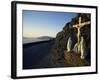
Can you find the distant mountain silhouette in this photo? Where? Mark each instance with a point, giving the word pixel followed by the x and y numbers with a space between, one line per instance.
pixel 45 37
pixel 25 37
pixel 36 39
pixel 41 37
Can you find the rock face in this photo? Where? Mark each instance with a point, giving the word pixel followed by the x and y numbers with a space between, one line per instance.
pixel 74 60
pixel 68 31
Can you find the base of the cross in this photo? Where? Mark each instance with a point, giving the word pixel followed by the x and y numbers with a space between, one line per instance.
pixel 74 59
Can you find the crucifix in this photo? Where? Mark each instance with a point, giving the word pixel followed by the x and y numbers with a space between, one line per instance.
pixel 79 26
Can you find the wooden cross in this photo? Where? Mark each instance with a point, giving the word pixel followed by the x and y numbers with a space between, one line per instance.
pixel 79 26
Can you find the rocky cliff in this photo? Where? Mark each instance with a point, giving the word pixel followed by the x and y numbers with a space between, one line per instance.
pixel 69 31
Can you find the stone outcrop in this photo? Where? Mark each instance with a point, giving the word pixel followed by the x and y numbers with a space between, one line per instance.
pixel 68 31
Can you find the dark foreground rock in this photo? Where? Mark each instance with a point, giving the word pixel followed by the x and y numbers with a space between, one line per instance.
pixel 37 55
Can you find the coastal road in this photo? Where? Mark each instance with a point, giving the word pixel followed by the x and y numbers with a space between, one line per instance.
pixel 38 55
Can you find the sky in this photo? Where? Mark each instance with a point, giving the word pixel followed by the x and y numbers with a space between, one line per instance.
pixel 44 23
